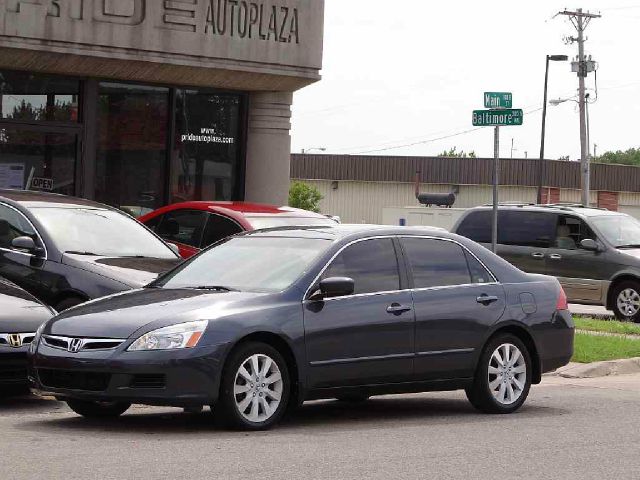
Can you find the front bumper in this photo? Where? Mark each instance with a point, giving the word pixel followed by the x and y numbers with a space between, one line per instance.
pixel 13 366
pixel 173 378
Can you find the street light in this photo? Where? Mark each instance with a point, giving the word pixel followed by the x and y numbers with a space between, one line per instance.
pixel 320 149
pixel 550 58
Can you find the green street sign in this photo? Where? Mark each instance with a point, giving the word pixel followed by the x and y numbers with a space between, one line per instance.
pixel 498 100
pixel 497 118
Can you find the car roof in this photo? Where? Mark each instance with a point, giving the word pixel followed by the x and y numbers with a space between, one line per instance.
pixel 29 199
pixel 245 208
pixel 555 208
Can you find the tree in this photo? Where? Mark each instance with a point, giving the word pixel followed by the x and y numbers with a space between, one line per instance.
pixel 453 153
pixel 305 197
pixel 628 157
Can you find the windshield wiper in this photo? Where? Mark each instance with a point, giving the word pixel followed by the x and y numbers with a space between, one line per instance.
pixel 74 252
pixel 217 288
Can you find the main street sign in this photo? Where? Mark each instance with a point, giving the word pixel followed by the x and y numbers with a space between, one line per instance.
pixel 498 100
pixel 497 118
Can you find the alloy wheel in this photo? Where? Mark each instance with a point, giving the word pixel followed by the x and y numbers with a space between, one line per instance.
pixel 507 374
pixel 258 388
pixel 628 302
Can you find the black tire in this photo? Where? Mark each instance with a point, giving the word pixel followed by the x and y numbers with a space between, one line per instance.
pixel 68 303
pixel 90 409
pixel 617 290
pixel 479 393
pixel 353 398
pixel 226 411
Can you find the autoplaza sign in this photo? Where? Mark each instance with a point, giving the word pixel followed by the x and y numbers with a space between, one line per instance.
pixel 498 117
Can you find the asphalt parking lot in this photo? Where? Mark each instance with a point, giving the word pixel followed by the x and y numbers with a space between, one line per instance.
pixel 587 429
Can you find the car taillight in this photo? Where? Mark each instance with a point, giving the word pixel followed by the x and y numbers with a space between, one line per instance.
pixel 562 301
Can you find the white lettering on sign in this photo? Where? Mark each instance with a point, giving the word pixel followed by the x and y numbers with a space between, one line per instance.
pixel 207 135
pixel 42 183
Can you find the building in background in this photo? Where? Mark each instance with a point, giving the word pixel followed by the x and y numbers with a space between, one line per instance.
pixel 358 188
pixel 140 103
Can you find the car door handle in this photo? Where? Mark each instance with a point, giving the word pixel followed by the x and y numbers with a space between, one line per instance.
pixel 397 309
pixel 487 299
pixel 555 256
pixel 537 255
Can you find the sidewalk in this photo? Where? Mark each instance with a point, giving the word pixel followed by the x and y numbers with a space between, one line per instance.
pixel 590 311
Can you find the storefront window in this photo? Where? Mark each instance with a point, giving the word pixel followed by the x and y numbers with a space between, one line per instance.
pixel 205 157
pixel 29 97
pixel 132 146
pixel 36 160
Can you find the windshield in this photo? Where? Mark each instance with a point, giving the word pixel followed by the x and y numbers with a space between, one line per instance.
pixel 269 264
pixel 92 231
pixel 273 221
pixel 619 230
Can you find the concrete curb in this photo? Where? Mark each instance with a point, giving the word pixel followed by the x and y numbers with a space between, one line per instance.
pixel 625 366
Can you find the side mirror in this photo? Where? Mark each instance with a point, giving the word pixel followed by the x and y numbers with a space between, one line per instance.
pixel 591 245
pixel 27 244
pixel 335 287
pixel 174 248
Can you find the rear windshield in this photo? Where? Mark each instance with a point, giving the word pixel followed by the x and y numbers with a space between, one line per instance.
pixel 272 221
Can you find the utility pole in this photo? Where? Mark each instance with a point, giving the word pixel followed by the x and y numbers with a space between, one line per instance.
pixel 580 21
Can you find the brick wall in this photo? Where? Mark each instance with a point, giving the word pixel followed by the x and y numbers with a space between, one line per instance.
pixel 608 200
pixel 550 195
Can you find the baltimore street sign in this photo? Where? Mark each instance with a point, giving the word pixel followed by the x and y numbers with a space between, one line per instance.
pixel 498 100
pixel 497 118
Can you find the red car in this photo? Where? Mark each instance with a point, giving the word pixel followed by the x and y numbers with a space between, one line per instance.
pixel 193 226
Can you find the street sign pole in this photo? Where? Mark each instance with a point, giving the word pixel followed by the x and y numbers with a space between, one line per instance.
pixel 496 182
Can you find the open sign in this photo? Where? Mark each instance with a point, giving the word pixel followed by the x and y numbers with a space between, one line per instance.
pixel 42 184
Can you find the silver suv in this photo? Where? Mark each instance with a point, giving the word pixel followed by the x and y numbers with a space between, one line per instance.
pixel 594 253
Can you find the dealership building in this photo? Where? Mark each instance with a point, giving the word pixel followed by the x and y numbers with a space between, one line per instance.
pixel 141 103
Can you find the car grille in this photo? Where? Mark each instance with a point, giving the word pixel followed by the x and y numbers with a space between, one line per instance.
pixel 16 340
pixel 148 381
pixel 83 344
pixel 74 380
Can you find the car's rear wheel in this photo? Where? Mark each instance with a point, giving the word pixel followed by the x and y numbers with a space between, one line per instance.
pixel 503 376
pixel 626 301
pixel 255 388
pixel 91 409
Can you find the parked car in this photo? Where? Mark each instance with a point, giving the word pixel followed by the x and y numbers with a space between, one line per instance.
pixel 20 316
pixel 594 253
pixel 193 226
pixel 66 250
pixel 271 318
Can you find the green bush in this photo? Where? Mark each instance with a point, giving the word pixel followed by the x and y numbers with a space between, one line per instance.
pixel 305 197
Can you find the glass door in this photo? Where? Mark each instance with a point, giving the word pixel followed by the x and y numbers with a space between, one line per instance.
pixel 35 158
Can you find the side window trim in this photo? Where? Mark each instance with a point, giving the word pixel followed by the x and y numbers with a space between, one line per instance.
pixel 206 225
pixel 440 287
pixel 399 262
pixel 18 212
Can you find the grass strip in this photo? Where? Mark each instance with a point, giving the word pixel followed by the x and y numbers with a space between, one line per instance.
pixel 607 326
pixel 596 348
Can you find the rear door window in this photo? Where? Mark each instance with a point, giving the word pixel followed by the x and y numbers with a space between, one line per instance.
pixel 436 263
pixel 476 226
pixel 183 226
pixel 372 264
pixel 219 228
pixel 526 229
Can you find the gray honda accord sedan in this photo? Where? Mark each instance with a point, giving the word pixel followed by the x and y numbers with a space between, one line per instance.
pixel 265 320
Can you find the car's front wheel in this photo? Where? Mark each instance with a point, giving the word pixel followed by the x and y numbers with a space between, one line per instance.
pixel 626 301
pixel 255 388
pixel 91 409
pixel 503 376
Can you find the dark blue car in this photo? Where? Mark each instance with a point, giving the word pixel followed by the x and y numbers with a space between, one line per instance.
pixel 269 319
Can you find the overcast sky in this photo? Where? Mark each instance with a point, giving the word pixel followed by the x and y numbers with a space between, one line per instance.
pixel 411 71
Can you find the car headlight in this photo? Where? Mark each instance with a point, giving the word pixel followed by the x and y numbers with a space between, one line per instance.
pixel 182 335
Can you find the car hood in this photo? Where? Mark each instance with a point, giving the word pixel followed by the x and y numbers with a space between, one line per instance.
pixel 633 252
pixel 21 315
pixel 132 271
pixel 122 315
